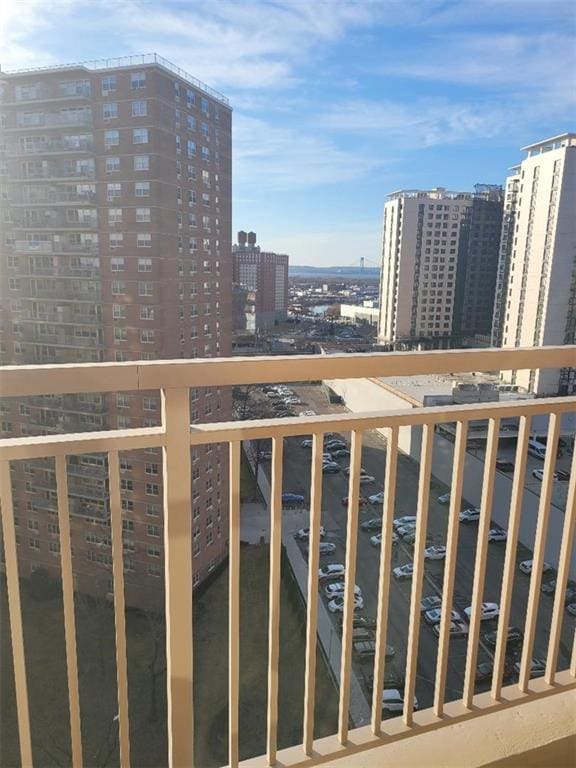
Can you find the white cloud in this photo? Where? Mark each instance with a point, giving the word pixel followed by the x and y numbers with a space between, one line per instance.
pixel 20 22
pixel 287 159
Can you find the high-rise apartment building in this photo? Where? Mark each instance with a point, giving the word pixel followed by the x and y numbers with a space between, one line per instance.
pixel 536 298
pixel 439 260
pixel 266 275
pixel 115 196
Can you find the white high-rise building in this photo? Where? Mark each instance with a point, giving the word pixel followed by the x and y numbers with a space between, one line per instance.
pixel 536 300
pixel 439 260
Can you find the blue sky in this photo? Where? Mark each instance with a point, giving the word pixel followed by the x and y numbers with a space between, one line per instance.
pixel 335 103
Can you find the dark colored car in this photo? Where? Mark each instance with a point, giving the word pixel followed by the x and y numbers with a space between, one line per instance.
pixel 337 453
pixel 366 622
pixel 372 525
pixel 362 501
pixel 292 499
pixel 514 635
pixel 504 466
pixel 485 668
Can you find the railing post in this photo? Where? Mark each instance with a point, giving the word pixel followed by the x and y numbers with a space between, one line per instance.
pixel 178 575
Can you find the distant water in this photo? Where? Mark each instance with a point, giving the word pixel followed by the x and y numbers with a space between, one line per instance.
pixel 355 273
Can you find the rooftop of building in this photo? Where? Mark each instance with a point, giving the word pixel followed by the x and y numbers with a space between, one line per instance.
pixel 441 193
pixel 125 62
pixel 554 142
pixel 421 389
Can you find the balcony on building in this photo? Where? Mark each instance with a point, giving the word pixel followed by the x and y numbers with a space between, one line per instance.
pixel 525 722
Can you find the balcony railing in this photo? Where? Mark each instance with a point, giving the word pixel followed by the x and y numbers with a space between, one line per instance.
pixel 177 437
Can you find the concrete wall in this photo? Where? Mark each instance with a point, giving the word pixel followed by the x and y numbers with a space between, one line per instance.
pixel 361 395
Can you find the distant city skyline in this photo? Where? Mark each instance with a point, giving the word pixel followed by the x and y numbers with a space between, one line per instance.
pixel 338 104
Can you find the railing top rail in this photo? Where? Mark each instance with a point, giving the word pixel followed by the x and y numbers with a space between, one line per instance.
pixel 202 434
pixel 26 380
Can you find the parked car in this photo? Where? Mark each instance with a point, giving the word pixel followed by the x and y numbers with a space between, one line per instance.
pixel 362 501
pixel 331 468
pixel 406 520
pixel 361 621
pixel 537 668
pixel 366 479
pixel 347 470
pixel 571 608
pixel 393 700
pixel 337 605
pixel 362 633
pixel 292 499
pixel 526 567
pixel 375 524
pixel 562 475
pixel 456 629
pixel 326 548
pixel 337 588
pixel 333 445
pixel 332 571
pixel 376 498
pixel 435 553
pixel 538 474
pixel 430 602
pixel 497 534
pixel 304 533
pixel 307 412
pixel 376 540
pixel 513 636
pixel 403 571
pixel 364 648
pixel 488 611
pixel 471 515
pixel 504 466
pixel 485 669
pixel 339 453
pixel 434 616
pixel 265 455
pixel 409 538
pixel 404 530
pixel 444 499
pixel 306 444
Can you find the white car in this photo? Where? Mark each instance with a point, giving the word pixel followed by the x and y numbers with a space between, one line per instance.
pixel 526 566
pixel 331 571
pixel 489 611
pixel 406 520
pixel 538 474
pixel 337 605
pixel 497 534
pixel 435 553
pixel 304 533
pixel 337 588
pixel 366 479
pixel 471 515
pixel 393 700
pixel 403 571
pixel 376 498
pixel 404 530
pixel 435 615
pixel 346 470
pixel 307 413
pixel 376 540
pixel 457 629
pixel 444 499
pixel 306 444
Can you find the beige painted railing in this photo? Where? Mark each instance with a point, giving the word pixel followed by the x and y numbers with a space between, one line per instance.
pixel 174 379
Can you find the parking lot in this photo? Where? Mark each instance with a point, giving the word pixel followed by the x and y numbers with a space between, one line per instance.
pixel 335 486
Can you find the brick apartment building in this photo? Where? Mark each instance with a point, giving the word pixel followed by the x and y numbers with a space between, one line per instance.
pixel 266 275
pixel 115 202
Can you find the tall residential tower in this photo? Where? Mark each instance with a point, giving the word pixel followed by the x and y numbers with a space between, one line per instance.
pixel 115 198
pixel 536 300
pixel 439 260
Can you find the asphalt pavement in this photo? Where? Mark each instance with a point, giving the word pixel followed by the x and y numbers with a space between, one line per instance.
pixel 335 486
